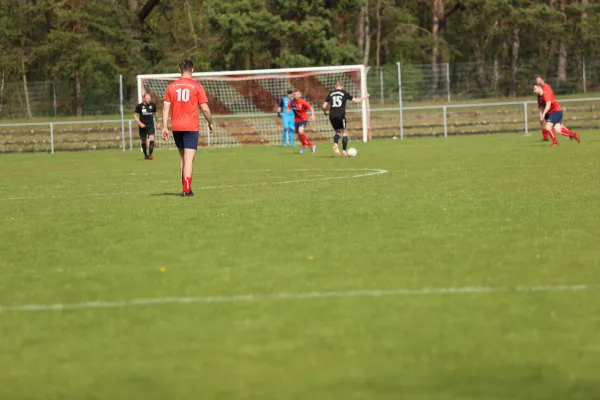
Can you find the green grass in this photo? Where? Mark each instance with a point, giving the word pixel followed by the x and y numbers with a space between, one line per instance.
pixel 490 211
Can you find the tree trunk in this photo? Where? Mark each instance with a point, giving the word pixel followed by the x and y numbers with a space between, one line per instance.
pixel 562 52
pixel 378 44
pixel 77 101
pixel 361 33
pixel 24 77
pixel 438 12
pixel 514 70
pixel 367 36
pixel 188 8
pixel 1 91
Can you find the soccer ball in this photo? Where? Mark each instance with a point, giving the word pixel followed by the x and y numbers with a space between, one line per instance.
pixel 352 152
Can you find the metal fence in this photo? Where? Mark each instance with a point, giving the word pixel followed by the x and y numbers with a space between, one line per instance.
pixel 451 82
pixel 443 83
pixel 386 122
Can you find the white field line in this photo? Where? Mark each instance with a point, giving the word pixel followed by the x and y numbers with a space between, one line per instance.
pixel 248 298
pixel 366 172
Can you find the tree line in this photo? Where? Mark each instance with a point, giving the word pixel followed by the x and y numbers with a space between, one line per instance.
pixel 90 42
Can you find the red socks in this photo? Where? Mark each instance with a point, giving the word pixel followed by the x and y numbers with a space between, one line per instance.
pixel 187 184
pixel 545 133
pixel 567 132
pixel 305 141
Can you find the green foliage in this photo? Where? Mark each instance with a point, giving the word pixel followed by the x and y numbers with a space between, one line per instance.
pixel 39 37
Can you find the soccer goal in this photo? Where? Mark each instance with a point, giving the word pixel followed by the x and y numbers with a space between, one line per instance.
pixel 244 103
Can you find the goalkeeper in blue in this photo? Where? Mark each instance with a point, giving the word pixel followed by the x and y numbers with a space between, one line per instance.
pixel 287 117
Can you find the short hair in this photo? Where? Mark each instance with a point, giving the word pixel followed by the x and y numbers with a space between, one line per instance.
pixel 290 91
pixel 186 66
pixel 339 83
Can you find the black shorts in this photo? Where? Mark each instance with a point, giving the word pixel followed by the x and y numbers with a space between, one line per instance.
pixel 338 123
pixel 186 139
pixel 147 131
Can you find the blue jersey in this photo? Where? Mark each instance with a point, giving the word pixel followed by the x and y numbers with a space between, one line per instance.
pixel 285 114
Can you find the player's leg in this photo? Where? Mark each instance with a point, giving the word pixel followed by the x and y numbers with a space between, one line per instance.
pixel 143 142
pixel 544 131
pixel 150 145
pixel 336 137
pixel 190 144
pixel 550 129
pixel 284 132
pixel 290 131
pixel 305 138
pixel 344 138
pixel 567 132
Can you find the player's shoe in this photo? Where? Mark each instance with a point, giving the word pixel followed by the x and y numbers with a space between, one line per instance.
pixel 554 144
pixel 345 154
pixel 302 150
pixel 184 194
pixel 577 137
pixel 336 149
pixel 146 158
pixel 313 148
pixel 150 158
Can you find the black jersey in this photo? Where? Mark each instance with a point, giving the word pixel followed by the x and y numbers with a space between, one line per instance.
pixel 146 111
pixel 337 103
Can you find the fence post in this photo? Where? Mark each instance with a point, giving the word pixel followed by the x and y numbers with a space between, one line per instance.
pixel 448 80
pixel 381 84
pixel 526 118
pixel 121 109
pixel 51 138
pixel 130 137
pixel 445 122
pixel 584 79
pixel 400 100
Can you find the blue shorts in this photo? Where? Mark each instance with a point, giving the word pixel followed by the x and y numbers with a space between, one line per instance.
pixel 555 117
pixel 288 123
pixel 186 139
pixel 301 124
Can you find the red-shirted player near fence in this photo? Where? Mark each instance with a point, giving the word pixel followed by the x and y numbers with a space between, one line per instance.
pixel 299 105
pixel 541 105
pixel 184 96
pixel 552 115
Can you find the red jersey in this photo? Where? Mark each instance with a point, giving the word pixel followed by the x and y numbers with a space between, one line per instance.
pixel 548 97
pixel 185 95
pixel 299 107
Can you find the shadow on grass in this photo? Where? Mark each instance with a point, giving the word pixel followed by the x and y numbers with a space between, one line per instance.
pixel 167 194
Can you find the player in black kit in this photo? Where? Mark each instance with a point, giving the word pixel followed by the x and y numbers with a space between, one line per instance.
pixel 336 100
pixel 144 115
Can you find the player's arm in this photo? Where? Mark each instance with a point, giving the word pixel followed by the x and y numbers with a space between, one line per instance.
pixel 548 101
pixel 280 108
pixel 207 114
pixel 136 116
pixel 324 107
pixel 359 99
pixel 165 118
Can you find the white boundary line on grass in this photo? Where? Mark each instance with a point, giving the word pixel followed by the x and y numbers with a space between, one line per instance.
pixel 371 172
pixel 249 298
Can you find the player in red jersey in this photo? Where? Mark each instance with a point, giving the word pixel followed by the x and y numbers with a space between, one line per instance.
pixel 184 96
pixel 541 105
pixel 552 114
pixel 299 105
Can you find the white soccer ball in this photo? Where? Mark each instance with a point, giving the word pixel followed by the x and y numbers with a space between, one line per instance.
pixel 352 152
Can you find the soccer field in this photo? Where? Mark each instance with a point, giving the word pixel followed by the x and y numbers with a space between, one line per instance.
pixel 465 268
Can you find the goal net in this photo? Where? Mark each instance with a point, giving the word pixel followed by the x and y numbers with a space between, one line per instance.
pixel 244 103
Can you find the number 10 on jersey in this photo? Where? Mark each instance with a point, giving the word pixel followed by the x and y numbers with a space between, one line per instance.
pixel 183 94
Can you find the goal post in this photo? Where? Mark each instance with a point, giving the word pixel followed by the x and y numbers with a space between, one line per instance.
pixel 244 103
